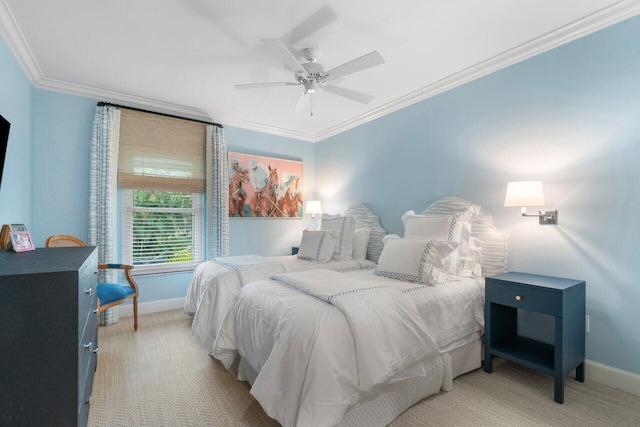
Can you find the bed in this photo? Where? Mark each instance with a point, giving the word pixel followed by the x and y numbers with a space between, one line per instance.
pixel 215 283
pixel 357 348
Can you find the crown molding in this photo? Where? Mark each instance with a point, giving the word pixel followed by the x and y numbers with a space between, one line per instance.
pixel 122 98
pixel 261 127
pixel 12 35
pixel 598 20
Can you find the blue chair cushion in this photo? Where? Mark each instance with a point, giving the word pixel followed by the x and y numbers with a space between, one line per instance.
pixel 110 292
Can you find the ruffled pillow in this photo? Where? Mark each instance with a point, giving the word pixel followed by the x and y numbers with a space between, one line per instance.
pixel 453 228
pixel 416 260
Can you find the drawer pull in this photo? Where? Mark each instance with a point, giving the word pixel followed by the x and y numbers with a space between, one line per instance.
pixel 88 346
pixel 95 350
pixel 518 298
pixel 88 291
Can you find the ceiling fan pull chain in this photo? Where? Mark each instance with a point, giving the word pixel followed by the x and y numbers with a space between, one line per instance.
pixel 311 95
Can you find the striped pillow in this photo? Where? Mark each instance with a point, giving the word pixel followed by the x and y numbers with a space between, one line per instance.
pixel 366 219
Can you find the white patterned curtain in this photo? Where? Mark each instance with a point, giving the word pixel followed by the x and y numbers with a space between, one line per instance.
pixel 217 193
pixel 102 192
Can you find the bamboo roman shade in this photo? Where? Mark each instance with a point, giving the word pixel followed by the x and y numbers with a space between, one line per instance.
pixel 161 153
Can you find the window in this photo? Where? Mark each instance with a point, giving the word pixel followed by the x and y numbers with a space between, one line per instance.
pixel 161 164
pixel 162 230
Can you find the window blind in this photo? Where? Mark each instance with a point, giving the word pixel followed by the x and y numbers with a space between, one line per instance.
pixel 161 153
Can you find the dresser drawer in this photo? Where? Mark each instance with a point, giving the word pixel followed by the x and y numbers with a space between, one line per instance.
pixel 526 297
pixel 87 350
pixel 87 291
pixel 85 392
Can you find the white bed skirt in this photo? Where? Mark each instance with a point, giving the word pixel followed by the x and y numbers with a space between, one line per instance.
pixel 386 404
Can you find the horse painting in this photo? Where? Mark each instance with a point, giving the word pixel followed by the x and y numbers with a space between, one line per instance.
pixel 264 201
pixel 292 198
pixel 237 196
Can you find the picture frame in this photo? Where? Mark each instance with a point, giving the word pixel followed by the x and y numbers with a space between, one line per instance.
pixel 18 227
pixel 21 241
pixel 5 239
pixel 265 187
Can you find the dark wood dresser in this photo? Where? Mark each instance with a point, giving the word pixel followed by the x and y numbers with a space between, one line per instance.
pixel 48 335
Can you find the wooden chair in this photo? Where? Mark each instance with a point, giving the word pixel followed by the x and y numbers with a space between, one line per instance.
pixel 109 294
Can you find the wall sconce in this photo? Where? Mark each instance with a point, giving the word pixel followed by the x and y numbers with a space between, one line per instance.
pixel 529 193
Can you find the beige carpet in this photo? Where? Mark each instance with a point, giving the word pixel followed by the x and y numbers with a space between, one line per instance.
pixel 161 376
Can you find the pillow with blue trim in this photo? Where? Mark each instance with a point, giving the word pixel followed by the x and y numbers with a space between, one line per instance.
pixel 316 246
pixel 416 260
pixel 342 228
pixel 453 228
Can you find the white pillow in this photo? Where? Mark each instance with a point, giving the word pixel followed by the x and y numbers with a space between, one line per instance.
pixel 454 228
pixel 469 265
pixel 416 260
pixel 360 243
pixel 437 227
pixel 389 237
pixel 342 228
pixel 316 246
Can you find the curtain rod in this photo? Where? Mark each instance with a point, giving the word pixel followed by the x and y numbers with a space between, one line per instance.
pixel 108 104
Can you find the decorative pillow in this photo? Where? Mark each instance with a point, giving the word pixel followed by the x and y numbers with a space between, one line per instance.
pixel 342 228
pixel 454 228
pixel 436 227
pixel 431 226
pixel 416 260
pixel 316 246
pixel 366 219
pixel 360 243
pixel 389 237
pixel 469 265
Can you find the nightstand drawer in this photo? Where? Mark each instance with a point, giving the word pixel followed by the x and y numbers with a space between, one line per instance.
pixel 531 298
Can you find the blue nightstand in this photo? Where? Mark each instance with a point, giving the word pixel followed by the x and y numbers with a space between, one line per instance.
pixel 294 250
pixel 564 299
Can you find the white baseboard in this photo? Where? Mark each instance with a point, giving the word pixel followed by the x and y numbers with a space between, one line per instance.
pixel 594 371
pixel 612 377
pixel 152 307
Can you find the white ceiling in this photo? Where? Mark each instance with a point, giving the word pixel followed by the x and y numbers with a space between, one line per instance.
pixel 184 56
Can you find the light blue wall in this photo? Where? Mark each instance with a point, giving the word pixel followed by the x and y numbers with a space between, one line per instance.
pixel 61 135
pixel 15 106
pixel 570 117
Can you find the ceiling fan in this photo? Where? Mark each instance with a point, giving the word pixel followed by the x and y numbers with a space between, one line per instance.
pixel 311 75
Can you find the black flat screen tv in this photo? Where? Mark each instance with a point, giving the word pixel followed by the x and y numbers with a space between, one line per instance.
pixel 4 139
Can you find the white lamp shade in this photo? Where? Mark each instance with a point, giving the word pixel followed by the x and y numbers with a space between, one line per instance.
pixel 524 193
pixel 314 207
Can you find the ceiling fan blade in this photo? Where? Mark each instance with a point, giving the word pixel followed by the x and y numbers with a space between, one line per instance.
pixel 259 85
pixel 353 95
pixel 369 60
pixel 281 50
pixel 303 102
pixel 320 19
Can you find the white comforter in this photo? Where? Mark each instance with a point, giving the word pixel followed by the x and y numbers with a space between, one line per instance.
pixel 388 333
pixel 215 283
pixel 305 352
